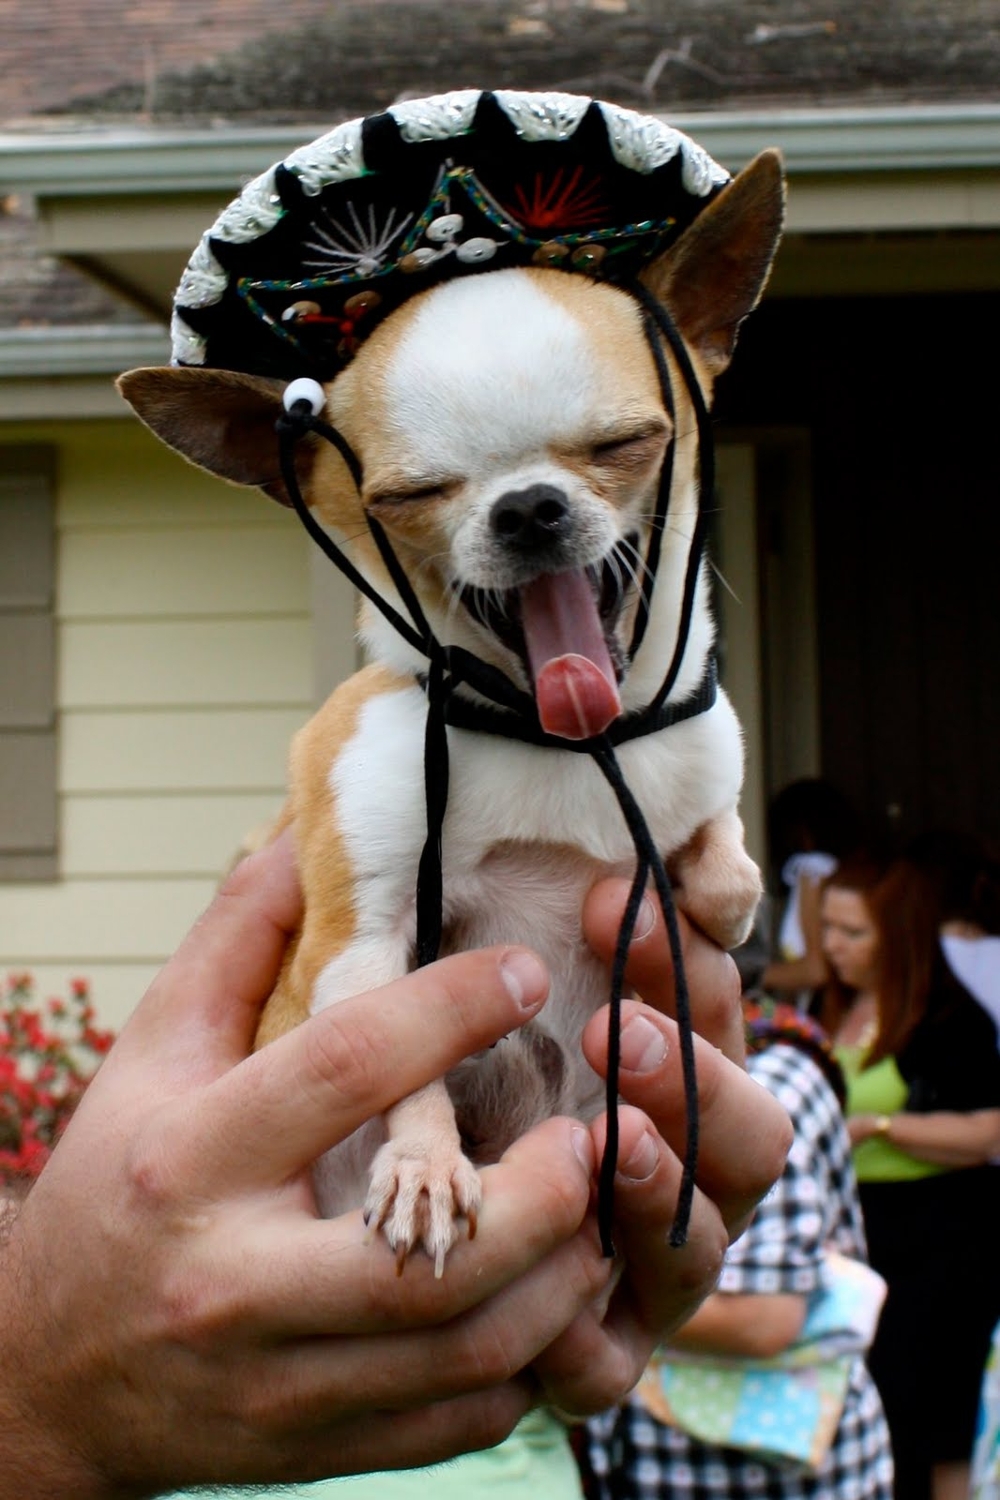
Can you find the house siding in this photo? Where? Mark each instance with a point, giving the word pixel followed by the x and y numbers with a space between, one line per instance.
pixel 185 663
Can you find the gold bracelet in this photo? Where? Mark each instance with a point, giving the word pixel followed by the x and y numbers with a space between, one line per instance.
pixel 883 1124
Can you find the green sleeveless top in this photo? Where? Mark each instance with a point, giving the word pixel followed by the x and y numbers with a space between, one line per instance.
pixel 879 1090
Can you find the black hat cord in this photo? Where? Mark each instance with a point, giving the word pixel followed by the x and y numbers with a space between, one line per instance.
pixel 512 713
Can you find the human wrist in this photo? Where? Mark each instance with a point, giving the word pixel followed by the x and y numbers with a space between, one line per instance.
pixel 882 1126
pixel 40 1460
pixel 41 1457
pixel 38 1465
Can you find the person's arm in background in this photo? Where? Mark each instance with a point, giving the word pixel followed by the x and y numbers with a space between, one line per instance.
pixel 745 1326
pixel 762 1303
pixel 952 1069
pixel 946 1138
pixel 172 1311
pixel 809 971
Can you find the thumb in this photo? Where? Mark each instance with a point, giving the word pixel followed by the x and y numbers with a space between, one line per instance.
pixel 201 1011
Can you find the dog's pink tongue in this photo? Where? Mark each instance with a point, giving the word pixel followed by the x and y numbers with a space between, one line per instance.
pixel 575 687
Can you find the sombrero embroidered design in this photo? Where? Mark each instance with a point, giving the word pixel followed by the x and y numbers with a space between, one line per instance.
pixel 300 268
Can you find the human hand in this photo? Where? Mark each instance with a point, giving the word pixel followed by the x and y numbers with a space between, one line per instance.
pixel 861 1127
pixel 172 1311
pixel 744 1138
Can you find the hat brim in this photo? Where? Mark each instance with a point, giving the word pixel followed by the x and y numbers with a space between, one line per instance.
pixel 314 253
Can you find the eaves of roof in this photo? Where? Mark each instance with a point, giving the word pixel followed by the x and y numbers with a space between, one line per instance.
pixel 68 373
pixel 135 160
pixel 97 349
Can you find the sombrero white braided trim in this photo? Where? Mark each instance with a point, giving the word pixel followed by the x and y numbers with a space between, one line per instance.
pixel 438 117
pixel 643 143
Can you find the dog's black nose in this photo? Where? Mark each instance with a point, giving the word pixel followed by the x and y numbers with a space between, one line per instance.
pixel 531 518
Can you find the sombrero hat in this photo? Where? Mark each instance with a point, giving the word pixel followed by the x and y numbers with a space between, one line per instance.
pixel 313 253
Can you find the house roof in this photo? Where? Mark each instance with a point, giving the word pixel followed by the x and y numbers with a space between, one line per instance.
pixel 37 290
pixel 183 97
pixel 241 60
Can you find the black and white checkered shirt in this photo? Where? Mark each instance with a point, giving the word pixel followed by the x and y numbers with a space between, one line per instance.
pixel 813 1205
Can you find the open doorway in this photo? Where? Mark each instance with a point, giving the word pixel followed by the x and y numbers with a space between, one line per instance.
pixel 763 549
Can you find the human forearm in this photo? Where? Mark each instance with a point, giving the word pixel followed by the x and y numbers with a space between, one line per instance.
pixel 944 1138
pixel 743 1326
pixel 810 970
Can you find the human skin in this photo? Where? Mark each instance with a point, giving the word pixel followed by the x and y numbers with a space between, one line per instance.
pixel 850 938
pixel 809 971
pixel 173 1312
pixel 945 1137
pixel 745 1325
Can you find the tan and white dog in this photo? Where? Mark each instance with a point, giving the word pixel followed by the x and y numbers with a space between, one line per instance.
pixel 511 431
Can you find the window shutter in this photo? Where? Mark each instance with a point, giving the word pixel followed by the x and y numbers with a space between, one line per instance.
pixel 28 819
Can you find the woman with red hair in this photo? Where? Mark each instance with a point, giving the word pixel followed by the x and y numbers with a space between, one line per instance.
pixel 923 1103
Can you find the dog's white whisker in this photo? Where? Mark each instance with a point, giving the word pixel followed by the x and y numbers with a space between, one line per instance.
pixel 626 566
pixel 454 606
pixel 499 601
pixel 724 581
pixel 424 566
pixel 355 536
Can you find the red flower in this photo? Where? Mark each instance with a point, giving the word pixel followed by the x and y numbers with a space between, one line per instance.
pixel 46 1062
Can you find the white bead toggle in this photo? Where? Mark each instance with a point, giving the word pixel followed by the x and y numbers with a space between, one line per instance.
pixel 305 389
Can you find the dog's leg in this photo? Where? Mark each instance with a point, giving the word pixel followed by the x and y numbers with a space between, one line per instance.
pixel 359 848
pixel 719 885
pixel 420 1182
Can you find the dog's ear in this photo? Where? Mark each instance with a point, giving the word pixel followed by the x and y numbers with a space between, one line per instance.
pixel 220 420
pixel 717 270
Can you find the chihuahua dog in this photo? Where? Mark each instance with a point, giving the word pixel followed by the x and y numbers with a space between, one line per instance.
pixel 511 430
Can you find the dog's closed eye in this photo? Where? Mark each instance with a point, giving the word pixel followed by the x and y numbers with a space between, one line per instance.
pixel 633 450
pixel 406 494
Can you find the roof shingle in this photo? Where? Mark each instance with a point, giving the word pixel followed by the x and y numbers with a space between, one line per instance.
pixel 202 60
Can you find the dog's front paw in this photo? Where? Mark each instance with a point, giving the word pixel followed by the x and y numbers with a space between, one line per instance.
pixel 719 886
pixel 725 912
pixel 416 1196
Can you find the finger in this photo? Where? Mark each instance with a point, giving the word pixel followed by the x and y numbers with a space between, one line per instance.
pixel 485 1348
pixel 713 982
pixel 309 1277
pixel 432 1434
pixel 603 1353
pixel 372 1443
pixel 314 1086
pixel 202 1009
pixel 744 1134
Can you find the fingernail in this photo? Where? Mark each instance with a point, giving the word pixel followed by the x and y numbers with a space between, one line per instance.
pixel 643 1045
pixel 525 978
pixel 641 1163
pixel 583 1148
pixel 644 919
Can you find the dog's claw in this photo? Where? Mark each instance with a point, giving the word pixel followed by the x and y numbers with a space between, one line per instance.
pixel 416 1198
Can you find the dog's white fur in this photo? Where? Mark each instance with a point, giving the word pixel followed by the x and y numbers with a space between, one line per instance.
pixel 471 391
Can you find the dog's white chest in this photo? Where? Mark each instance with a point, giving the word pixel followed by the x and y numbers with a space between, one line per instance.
pixel 503 791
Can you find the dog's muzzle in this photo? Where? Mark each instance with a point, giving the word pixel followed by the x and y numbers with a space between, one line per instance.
pixel 532 520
